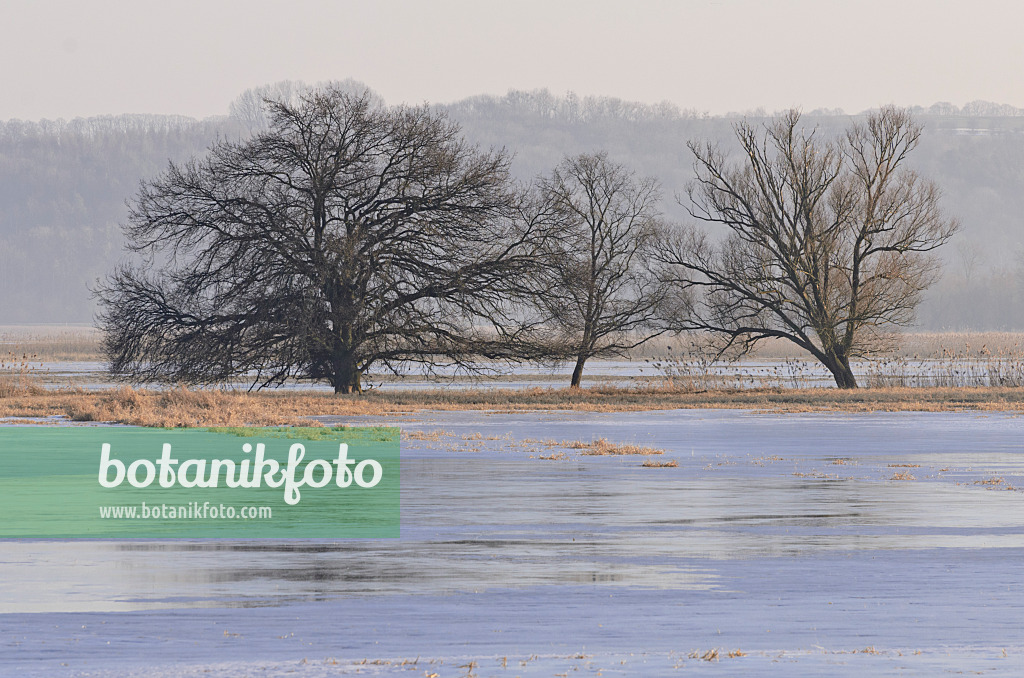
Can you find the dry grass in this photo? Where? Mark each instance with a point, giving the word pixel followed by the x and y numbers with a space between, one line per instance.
pixel 902 475
pixel 935 359
pixel 923 344
pixel 52 343
pixel 976 344
pixel 601 447
pixel 184 407
pixel 169 408
pixel 19 373
pixel 715 654
pixel 652 463
pixel 434 435
pixel 18 385
pixel 557 456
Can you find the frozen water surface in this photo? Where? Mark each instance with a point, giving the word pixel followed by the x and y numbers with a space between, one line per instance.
pixel 787 541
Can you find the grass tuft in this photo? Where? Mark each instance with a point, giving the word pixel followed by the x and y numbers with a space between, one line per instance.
pixel 651 463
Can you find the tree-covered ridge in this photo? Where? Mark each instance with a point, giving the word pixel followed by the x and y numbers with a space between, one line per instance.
pixel 64 184
pixel 63 187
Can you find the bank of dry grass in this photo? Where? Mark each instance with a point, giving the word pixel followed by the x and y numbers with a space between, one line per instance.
pixel 184 407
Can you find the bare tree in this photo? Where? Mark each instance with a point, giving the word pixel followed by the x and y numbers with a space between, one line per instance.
pixel 829 240
pixel 601 294
pixel 249 109
pixel 346 235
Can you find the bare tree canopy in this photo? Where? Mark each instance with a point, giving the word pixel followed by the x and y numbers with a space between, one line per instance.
pixel 345 235
pixel 601 295
pixel 829 240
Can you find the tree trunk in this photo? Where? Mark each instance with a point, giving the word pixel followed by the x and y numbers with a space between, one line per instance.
pixel 347 376
pixel 577 373
pixel 350 385
pixel 839 366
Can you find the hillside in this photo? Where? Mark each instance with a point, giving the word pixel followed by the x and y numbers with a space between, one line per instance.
pixel 63 186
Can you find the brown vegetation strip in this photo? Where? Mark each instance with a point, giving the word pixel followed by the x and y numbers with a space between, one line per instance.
pixel 651 463
pixel 183 407
pixel 603 448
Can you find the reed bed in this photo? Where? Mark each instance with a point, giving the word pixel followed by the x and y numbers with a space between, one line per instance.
pixel 945 360
pixel 908 344
pixel 961 366
pixel 51 344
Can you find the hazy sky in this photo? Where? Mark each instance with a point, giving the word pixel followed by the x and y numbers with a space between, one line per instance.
pixel 77 58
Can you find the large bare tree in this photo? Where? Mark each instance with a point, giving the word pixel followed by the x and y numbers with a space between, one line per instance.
pixel 829 240
pixel 345 235
pixel 601 293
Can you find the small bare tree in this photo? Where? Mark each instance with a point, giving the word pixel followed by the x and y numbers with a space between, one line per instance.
pixel 829 240
pixel 602 295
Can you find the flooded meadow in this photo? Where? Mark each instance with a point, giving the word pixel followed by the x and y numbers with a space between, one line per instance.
pixel 793 544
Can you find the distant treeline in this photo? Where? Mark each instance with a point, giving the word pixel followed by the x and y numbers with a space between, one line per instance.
pixel 63 186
